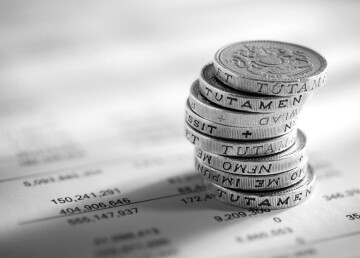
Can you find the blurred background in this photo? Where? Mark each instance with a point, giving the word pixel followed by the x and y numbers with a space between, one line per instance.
pixel 116 53
pixel 137 59
pixel 79 58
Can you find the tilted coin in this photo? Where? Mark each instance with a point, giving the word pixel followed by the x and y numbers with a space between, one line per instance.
pixel 240 148
pixel 232 132
pixel 255 183
pixel 270 67
pixel 275 199
pixel 218 93
pixel 206 109
pixel 289 159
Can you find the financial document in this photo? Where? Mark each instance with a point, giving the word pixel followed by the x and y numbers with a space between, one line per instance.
pixel 93 157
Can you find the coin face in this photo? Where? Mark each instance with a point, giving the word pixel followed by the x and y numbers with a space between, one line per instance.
pixel 270 61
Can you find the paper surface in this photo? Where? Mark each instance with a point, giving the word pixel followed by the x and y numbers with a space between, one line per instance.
pixel 93 161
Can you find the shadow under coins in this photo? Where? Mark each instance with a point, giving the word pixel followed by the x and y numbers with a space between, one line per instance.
pixel 199 205
pixel 179 215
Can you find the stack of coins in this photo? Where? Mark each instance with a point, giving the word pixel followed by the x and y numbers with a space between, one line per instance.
pixel 241 115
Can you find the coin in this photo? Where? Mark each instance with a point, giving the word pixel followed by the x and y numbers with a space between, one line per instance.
pixel 275 199
pixel 240 148
pixel 220 94
pixel 255 183
pixel 239 133
pixel 270 67
pixel 259 166
pixel 206 109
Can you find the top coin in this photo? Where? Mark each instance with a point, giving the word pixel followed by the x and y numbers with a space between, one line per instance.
pixel 270 67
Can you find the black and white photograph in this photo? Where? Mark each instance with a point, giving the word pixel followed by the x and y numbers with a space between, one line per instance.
pixel 179 129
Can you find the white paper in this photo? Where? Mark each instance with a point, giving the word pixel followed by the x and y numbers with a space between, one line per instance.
pixel 93 161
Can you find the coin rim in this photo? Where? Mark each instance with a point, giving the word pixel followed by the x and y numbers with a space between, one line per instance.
pixel 235 117
pixel 307 180
pixel 270 158
pixel 236 130
pixel 303 165
pixel 242 95
pixel 306 183
pixel 211 141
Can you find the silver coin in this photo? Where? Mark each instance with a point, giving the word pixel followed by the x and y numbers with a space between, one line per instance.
pixel 270 67
pixel 254 183
pixel 275 199
pixel 206 109
pixel 287 160
pixel 220 94
pixel 239 133
pixel 240 148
